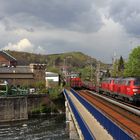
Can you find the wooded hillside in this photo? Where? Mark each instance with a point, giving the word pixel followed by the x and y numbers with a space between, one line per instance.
pixel 74 61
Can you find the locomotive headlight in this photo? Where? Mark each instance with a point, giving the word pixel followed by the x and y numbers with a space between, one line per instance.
pixel 135 93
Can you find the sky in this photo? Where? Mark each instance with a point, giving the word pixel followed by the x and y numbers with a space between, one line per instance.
pixel 99 28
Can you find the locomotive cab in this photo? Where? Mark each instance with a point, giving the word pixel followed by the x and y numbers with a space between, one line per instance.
pixel 136 89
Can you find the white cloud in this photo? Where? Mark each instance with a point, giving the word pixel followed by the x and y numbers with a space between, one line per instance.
pixel 26 46
pixel 22 45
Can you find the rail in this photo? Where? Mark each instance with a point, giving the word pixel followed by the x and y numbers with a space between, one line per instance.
pixel 112 128
pixel 84 128
pixel 130 109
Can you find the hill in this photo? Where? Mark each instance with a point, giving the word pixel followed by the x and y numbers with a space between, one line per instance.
pixel 73 61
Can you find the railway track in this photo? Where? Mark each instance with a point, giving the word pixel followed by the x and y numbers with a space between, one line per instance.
pixel 123 118
pixel 127 103
pixel 127 106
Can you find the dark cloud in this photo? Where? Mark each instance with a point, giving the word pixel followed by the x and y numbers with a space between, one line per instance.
pixel 54 26
pixel 79 15
pixel 127 13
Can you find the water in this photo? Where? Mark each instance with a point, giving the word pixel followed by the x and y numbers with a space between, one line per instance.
pixel 38 128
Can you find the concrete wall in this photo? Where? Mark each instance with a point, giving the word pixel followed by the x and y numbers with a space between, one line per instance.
pixel 36 101
pixel 13 108
pixel 18 108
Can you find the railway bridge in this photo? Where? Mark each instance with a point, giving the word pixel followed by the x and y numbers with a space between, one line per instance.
pixel 86 121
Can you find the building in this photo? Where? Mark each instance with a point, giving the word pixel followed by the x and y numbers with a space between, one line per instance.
pixel 7 60
pixel 52 76
pixel 52 79
pixel 23 75
pixel 20 75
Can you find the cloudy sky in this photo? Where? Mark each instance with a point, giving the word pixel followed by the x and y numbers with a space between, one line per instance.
pixel 99 28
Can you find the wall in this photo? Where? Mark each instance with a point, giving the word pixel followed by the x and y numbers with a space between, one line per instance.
pixel 18 108
pixel 23 75
pixel 35 102
pixel 13 108
pixel 3 61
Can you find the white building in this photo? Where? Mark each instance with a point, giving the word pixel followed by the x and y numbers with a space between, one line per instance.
pixel 50 76
pixel 51 79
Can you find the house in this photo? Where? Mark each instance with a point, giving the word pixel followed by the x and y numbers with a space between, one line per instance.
pixel 20 75
pixel 52 79
pixel 23 75
pixel 7 60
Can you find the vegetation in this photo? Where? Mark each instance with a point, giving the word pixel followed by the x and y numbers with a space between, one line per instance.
pixel 118 68
pixel 74 61
pixel 132 67
pixel 29 57
pixel 55 104
pixel 79 62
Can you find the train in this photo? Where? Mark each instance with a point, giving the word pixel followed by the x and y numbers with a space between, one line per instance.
pixel 126 89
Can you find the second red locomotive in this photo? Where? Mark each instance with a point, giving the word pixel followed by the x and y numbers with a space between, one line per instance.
pixel 125 88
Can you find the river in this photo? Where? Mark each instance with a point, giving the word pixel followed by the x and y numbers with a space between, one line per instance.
pixel 36 128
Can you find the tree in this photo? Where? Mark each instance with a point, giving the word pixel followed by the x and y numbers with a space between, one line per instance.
pixel 121 64
pixel 120 67
pixel 132 67
pixel 107 74
pixel 114 71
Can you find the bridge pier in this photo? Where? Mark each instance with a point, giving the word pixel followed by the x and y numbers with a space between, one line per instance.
pixel 72 126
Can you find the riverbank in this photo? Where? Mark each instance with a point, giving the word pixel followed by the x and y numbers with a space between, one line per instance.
pixel 53 104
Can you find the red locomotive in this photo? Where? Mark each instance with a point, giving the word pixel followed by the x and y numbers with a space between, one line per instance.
pixel 76 83
pixel 89 85
pixel 125 88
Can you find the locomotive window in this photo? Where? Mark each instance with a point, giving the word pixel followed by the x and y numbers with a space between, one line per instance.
pixel 137 82
pixel 124 82
pixel 128 83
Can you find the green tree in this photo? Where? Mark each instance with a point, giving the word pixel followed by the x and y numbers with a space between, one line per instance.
pixel 132 67
pixel 120 67
pixel 107 74
pixel 121 64
pixel 114 71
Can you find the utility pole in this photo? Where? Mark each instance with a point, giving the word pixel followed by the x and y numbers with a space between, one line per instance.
pixel 98 73
pixel 54 63
pixel 91 69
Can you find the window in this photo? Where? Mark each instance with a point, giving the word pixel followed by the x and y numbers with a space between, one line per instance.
pixel 128 83
pixel 137 82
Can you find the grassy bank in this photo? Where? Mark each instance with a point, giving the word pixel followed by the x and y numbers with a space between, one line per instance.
pixel 56 103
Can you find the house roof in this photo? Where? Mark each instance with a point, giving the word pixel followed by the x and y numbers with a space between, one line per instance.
pixel 18 69
pixel 7 56
pixel 51 74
